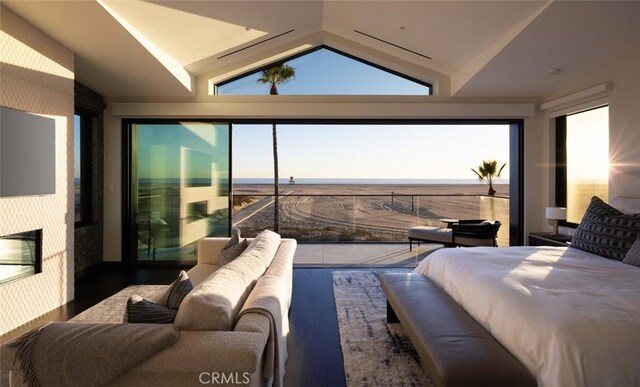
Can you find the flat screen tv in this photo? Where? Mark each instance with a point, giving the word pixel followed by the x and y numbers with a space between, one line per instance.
pixel 27 154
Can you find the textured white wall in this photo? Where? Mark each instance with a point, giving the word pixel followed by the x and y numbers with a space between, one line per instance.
pixel 36 76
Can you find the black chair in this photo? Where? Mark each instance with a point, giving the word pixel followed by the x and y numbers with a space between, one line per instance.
pixel 475 232
pixel 467 232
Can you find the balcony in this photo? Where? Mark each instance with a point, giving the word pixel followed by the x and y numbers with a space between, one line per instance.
pixel 363 218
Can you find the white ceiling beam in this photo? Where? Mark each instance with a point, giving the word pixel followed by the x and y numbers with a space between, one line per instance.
pixel 175 68
pixel 222 107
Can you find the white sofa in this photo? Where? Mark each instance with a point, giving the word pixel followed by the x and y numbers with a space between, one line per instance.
pixel 202 356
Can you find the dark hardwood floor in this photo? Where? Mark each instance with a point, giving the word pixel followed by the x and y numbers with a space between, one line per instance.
pixel 315 358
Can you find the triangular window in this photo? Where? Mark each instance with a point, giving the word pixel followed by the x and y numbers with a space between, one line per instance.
pixel 326 71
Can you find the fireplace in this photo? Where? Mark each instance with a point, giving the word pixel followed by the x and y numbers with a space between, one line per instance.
pixel 20 255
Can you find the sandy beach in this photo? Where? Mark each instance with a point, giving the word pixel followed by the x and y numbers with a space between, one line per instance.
pixel 361 212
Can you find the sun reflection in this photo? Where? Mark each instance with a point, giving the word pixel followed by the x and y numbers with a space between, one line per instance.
pixel 531 270
pixel 587 160
pixel 29 58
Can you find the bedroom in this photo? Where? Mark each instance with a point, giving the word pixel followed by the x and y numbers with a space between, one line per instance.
pixel 502 75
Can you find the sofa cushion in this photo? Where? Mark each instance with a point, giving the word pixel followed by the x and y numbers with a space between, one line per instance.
pixel 430 233
pixel 214 303
pixel 201 272
pixel 144 311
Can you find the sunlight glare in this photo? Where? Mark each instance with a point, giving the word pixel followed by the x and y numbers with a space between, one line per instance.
pixel 29 58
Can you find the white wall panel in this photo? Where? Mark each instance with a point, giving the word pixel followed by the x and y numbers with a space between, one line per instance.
pixel 37 77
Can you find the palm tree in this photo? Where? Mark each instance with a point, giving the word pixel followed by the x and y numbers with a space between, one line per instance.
pixel 489 172
pixel 277 75
pixel 274 76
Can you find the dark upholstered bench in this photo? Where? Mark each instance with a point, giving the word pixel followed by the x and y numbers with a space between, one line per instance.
pixel 455 350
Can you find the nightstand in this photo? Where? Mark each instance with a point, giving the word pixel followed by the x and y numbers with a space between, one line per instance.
pixel 549 239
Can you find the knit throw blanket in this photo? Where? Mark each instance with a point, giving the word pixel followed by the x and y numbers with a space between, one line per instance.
pixel 79 354
pixel 270 298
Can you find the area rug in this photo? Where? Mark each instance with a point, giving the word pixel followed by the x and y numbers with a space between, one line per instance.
pixel 375 353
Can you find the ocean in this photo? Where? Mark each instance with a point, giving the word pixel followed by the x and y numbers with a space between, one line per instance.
pixel 205 182
pixel 239 181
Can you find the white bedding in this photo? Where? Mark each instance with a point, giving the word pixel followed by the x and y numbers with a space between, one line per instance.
pixel 570 317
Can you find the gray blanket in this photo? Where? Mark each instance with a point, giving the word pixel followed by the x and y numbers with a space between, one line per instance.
pixel 79 354
pixel 268 298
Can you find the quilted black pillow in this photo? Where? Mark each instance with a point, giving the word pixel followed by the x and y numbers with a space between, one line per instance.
pixel 144 311
pixel 140 310
pixel 606 231
pixel 176 292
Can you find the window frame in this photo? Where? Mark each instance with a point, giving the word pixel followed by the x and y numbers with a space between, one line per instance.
pixel 429 86
pixel 129 207
pixel 561 160
pixel 87 118
pixel 516 153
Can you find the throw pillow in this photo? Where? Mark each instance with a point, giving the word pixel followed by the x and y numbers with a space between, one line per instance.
pixel 633 255
pixel 232 250
pixel 606 231
pixel 176 292
pixel 144 311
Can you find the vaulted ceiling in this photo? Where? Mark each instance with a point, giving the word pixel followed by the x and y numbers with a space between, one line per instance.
pixel 477 48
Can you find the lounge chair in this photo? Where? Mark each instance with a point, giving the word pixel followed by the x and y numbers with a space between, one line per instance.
pixel 468 232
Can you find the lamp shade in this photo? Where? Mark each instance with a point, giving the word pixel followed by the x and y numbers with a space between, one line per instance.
pixel 556 213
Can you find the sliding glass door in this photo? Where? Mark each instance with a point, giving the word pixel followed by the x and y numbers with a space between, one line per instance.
pixel 178 188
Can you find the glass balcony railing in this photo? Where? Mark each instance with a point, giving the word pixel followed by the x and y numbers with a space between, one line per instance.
pixel 355 218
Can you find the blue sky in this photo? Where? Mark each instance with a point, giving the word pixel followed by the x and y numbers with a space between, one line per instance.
pixel 326 72
pixel 369 151
pixel 359 151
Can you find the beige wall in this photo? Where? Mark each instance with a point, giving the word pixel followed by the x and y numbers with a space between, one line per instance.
pixel 37 77
pixel 536 190
pixel 112 234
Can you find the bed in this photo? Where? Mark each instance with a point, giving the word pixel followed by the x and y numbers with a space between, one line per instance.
pixel 571 317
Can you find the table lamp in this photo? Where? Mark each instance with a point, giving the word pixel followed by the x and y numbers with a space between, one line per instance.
pixel 556 214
